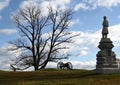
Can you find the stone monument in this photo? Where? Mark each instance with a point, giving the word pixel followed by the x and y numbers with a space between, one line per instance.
pixel 106 58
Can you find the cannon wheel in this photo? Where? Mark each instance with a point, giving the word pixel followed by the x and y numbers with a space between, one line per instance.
pixel 69 65
pixel 59 65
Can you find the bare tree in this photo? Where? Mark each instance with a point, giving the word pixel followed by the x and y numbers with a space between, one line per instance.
pixel 36 49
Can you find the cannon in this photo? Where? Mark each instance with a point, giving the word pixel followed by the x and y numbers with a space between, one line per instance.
pixel 62 65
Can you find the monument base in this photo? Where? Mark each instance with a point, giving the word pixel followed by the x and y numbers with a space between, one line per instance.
pixel 106 58
pixel 107 70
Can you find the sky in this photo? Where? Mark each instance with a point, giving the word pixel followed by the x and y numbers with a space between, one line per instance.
pixel 87 20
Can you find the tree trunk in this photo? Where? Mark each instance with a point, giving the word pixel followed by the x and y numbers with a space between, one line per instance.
pixel 45 63
pixel 36 67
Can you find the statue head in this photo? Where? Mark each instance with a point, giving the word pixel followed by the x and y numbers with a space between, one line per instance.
pixel 104 17
pixel 105 22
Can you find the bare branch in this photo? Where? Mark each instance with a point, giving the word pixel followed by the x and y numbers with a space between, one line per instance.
pixel 36 50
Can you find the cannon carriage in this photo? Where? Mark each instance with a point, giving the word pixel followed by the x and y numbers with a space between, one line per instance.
pixel 62 65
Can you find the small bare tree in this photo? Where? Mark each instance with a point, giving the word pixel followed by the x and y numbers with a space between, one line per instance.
pixel 36 49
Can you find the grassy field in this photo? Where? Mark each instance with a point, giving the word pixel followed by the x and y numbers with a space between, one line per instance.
pixel 58 77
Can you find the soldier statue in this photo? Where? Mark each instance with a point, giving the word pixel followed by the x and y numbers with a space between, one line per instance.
pixel 105 27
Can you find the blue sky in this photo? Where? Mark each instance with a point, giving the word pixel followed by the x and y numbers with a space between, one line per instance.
pixel 87 20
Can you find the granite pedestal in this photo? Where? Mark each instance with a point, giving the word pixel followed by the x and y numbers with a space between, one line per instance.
pixel 106 58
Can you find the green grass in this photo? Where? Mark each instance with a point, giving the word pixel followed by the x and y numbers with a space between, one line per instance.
pixel 58 77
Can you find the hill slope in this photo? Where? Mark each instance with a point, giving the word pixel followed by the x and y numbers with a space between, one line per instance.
pixel 58 77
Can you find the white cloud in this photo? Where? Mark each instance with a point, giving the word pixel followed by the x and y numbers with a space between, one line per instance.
pixel 114 34
pixel 90 65
pixel 6 56
pixel 93 38
pixel 4 51
pixel 89 40
pixel 82 53
pixel 82 45
pixel 84 65
pixel 107 3
pixel 7 31
pixel 93 4
pixel 44 4
pixel 62 2
pixel 4 65
pixel 76 21
pixel 28 3
pixel 81 6
pixel 3 4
